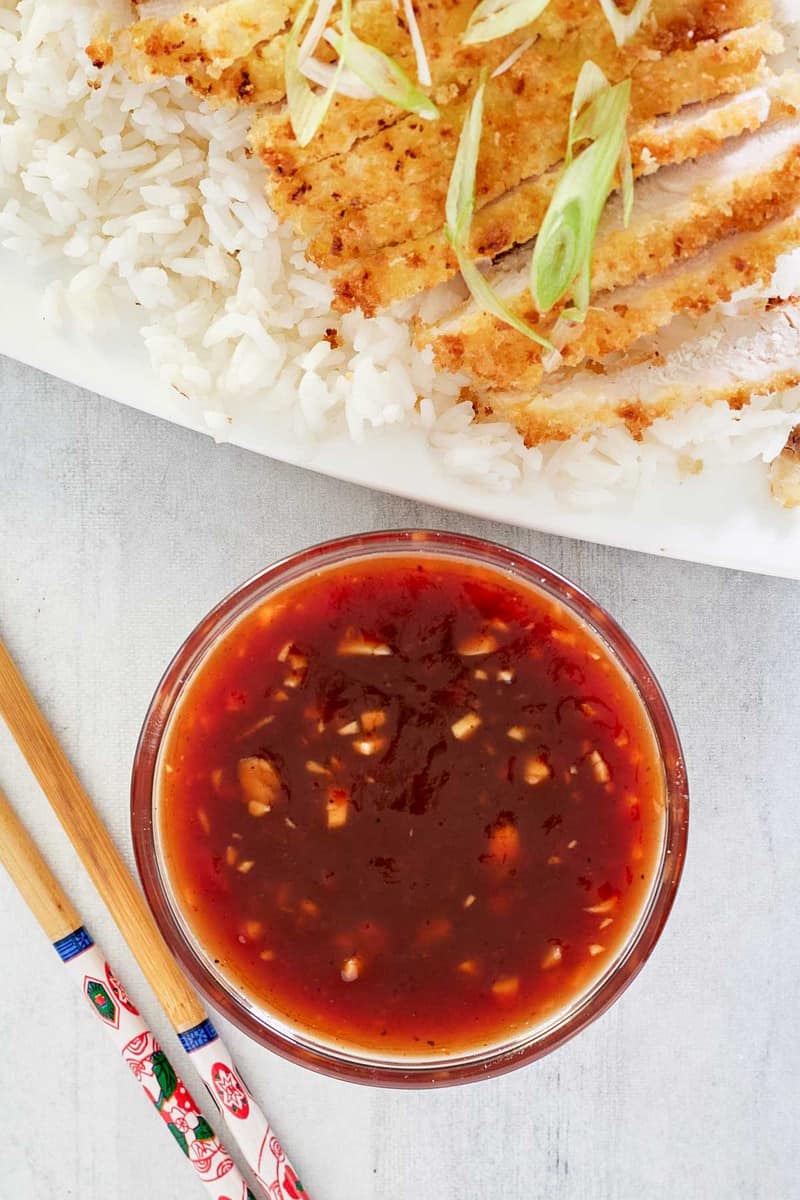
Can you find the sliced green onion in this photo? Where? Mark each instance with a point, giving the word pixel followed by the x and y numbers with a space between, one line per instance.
pixel 487 299
pixel 459 207
pixel 347 84
pixel 508 63
pixel 380 72
pixel 460 203
pixel 591 84
pixel 576 316
pixel 316 29
pixel 624 25
pixel 423 67
pixel 307 108
pixel 496 18
pixel 562 255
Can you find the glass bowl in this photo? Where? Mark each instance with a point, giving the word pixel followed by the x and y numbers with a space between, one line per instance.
pixel 293 1042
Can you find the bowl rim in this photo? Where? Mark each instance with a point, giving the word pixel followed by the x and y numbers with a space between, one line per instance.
pixel 361 1066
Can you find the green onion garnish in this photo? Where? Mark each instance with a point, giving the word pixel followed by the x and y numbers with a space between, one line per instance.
pixel 487 299
pixel 496 18
pixel 380 72
pixel 460 202
pixel 624 25
pixel 423 67
pixel 562 255
pixel 307 108
pixel 459 207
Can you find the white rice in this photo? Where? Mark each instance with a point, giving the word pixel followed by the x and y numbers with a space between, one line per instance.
pixel 138 194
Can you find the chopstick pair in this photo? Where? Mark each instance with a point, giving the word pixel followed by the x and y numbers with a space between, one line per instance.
pixel 62 925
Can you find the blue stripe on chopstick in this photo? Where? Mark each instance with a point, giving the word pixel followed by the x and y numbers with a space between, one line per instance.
pixel 73 944
pixel 199 1036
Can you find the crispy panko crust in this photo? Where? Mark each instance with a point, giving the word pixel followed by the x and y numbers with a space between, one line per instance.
pixel 618 318
pixel 233 52
pixel 207 40
pixel 236 55
pixel 392 187
pixel 652 383
pixel 404 270
pixel 455 66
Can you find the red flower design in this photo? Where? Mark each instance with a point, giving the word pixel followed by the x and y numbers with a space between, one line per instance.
pixel 291 1184
pixel 230 1091
pixel 119 993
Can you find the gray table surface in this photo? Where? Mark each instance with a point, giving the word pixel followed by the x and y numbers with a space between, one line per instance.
pixel 117 532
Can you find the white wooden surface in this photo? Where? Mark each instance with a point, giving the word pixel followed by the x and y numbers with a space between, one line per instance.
pixel 117 532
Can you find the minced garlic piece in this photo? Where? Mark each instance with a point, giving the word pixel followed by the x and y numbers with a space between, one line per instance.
pixel 369 745
pixel 552 957
pixel 506 987
pixel 603 906
pixel 356 643
pixel 535 771
pixel 477 643
pixel 599 767
pixel 351 969
pixel 259 780
pixel 373 719
pixel 337 808
pixel 465 726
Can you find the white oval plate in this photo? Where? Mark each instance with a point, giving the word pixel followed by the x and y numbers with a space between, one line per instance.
pixel 724 516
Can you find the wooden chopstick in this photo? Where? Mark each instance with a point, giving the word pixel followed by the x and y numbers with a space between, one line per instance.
pixel 33 878
pixel 94 846
pixel 107 999
pixel 107 870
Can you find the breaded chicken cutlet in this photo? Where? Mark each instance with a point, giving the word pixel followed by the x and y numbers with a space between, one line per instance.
pixel 715 141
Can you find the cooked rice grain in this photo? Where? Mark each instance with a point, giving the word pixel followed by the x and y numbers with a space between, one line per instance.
pixel 138 194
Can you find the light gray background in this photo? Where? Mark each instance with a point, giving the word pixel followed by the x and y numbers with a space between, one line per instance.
pixel 117 532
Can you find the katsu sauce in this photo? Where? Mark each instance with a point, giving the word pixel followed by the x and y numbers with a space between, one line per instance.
pixel 411 805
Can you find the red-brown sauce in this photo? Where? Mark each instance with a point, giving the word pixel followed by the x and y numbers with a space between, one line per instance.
pixel 411 805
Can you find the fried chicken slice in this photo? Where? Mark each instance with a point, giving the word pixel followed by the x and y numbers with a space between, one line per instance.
pixel 618 318
pixel 397 272
pixel 755 352
pixel 392 188
pixel 680 212
pixel 454 66
pixel 200 38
